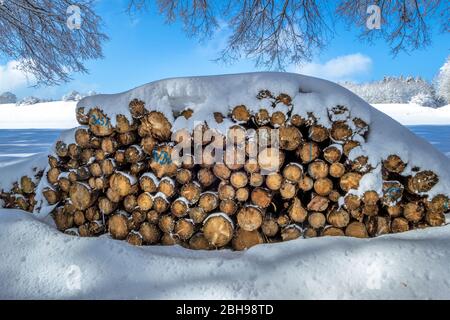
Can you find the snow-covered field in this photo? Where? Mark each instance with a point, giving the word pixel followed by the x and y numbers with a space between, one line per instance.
pixel 37 261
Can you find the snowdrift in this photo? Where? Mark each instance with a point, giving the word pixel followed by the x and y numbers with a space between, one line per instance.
pixel 39 262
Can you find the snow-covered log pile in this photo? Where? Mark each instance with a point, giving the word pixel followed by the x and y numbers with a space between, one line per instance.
pixel 265 157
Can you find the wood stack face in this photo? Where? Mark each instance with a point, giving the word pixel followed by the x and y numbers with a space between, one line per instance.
pixel 123 180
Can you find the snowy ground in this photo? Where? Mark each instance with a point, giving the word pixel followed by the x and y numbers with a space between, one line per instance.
pixel 39 262
pixel 411 114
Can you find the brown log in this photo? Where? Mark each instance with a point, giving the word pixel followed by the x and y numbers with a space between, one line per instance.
pixel 256 179
pixel 160 203
pixel 199 242
pixel 356 230
pixel 394 164
pixel 117 226
pixel 52 161
pixel 316 220
pixel 162 164
pixel 92 214
pixel 168 239
pixel 152 216
pixel 370 198
pixel 310 233
pixel 167 187
pixel 51 195
pixel 261 197
pixel 127 138
pixel 79 218
pixel 145 201
pixel 360 164
pixel 332 154
pixel 155 124
pixel 244 240
pixel 352 202
pixel 435 218
pixel 148 144
pixel 99 123
pixel 308 152
pixel 226 191
pixel 228 207
pixel 240 114
pixel 306 183
pixel 61 149
pixel 318 203
pixel 208 201
pixel 334 196
pixel 349 181
pixel 332 232
pixel 123 125
pixel 318 169
pixel 288 190
pixel 340 131
pixel 293 172
pixel 83 230
pixel 270 227
pixel 82 116
pixel 191 192
pixel 399 225
pixel 166 223
pixel 73 151
pixel 135 238
pixel 83 138
pixel 107 167
pixel 413 211
pixel 278 119
pixel 318 133
pixel 291 232
pixel 262 117
pixel 221 171
pixel 81 195
pixel 184 229
pixel 323 186
pixel 337 170
pixel 297 212
pixel 239 179
pixel 249 218
pixel 53 175
pixel 148 183
pixel 395 211
pixel 106 206
pixel 137 108
pixel 121 183
pixel 242 194
pixel 338 218
pixel 197 215
pixel 113 195
pixel 218 231
pixel 422 181
pixel 251 166
pixel 179 207
pixel 206 177
pixel 63 220
pixel 290 138
pixel 297 120
pixel 150 233
pixel 283 220
pixel 274 181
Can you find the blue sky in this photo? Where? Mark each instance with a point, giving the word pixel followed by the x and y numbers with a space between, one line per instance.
pixel 143 49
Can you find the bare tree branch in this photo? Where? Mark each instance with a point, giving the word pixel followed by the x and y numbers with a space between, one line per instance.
pixel 35 33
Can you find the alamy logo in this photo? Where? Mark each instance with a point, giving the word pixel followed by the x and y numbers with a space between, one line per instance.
pixel 374 19
pixel 74 20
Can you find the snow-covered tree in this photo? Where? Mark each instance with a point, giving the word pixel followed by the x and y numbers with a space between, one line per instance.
pixel 396 90
pixel 72 96
pixel 8 97
pixel 50 38
pixel 443 82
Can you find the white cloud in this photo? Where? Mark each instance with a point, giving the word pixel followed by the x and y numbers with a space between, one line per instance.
pixel 11 78
pixel 338 69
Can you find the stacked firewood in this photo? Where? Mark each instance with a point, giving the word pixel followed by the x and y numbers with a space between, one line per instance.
pixel 22 194
pixel 121 180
